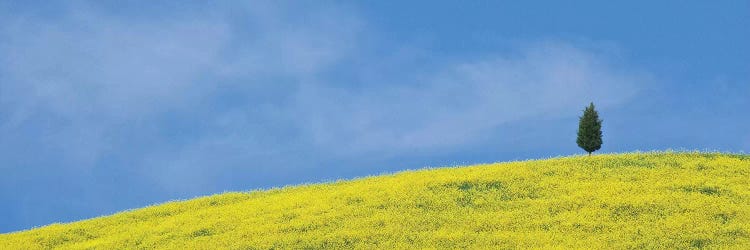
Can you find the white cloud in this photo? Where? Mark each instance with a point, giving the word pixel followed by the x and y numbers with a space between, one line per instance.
pixel 93 73
pixel 464 101
pixel 87 63
pixel 86 74
pixel 98 80
pixel 294 41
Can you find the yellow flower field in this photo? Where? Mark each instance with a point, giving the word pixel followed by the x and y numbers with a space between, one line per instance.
pixel 617 201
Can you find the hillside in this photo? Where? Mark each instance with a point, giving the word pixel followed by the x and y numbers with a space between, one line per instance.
pixel 650 200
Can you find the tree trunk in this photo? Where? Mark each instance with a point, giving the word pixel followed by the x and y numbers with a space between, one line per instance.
pixel 589 153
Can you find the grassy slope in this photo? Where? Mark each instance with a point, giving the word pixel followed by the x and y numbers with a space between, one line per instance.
pixel 679 200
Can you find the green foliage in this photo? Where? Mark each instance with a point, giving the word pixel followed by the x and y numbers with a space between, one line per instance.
pixel 590 130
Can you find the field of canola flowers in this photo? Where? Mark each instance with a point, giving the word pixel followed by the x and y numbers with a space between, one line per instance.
pixel 617 201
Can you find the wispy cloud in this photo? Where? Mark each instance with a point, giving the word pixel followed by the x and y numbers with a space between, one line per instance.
pixel 463 101
pixel 86 74
pixel 93 74
pixel 99 79
pixel 447 107
pixel 191 104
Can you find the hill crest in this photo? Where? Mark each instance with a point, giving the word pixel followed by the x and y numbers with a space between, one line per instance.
pixel 632 200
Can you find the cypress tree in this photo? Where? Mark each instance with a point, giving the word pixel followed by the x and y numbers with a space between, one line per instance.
pixel 590 130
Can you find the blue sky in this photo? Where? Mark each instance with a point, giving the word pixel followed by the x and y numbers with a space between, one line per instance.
pixel 107 106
